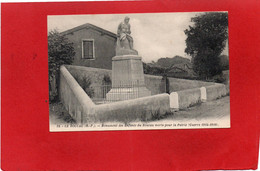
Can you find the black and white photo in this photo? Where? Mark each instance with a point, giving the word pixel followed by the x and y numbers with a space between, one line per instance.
pixel 138 71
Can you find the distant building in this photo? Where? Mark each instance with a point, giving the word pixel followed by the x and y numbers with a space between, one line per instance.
pixel 93 45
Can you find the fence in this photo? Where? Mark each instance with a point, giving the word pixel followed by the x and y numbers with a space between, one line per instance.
pixel 107 93
pixel 100 91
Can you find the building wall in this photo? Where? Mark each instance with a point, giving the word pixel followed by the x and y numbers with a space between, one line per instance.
pixel 104 48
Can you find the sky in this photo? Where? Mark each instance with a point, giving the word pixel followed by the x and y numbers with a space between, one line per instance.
pixel 155 35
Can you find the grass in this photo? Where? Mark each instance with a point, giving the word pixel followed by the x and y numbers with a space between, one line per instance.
pixel 58 114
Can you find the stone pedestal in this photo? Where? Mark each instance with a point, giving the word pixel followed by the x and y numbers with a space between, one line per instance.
pixel 127 78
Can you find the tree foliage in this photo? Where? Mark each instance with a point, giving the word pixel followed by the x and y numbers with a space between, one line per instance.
pixel 206 40
pixel 60 51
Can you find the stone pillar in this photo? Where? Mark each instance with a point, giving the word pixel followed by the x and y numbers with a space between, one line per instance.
pixel 127 78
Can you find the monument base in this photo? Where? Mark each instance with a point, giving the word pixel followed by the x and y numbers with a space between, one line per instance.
pixel 127 70
pixel 127 78
pixel 119 94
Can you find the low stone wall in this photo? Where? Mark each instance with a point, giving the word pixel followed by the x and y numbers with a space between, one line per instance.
pixel 215 91
pixel 190 97
pixel 83 110
pixel 73 97
pixel 152 82
pixel 226 76
pixel 95 74
pixel 144 108
pixel 177 84
pixel 186 98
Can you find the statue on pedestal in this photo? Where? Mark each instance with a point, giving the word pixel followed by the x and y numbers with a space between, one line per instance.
pixel 124 44
pixel 127 68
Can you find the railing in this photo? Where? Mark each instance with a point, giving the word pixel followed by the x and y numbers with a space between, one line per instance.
pixel 100 91
pixel 122 91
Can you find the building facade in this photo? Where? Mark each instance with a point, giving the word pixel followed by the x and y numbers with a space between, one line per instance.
pixel 93 45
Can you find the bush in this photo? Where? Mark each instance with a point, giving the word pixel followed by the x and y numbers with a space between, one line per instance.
pixel 219 78
pixel 106 80
pixel 60 52
pixel 85 83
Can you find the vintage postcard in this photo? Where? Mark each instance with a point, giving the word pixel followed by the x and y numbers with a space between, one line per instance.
pixel 138 71
pixel 130 85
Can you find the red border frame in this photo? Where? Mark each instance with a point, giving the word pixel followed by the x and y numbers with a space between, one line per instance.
pixel 27 143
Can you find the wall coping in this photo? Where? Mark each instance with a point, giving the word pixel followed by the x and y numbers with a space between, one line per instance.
pixel 80 94
pixel 86 68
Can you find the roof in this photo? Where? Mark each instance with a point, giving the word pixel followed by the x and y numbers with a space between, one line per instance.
pixel 86 26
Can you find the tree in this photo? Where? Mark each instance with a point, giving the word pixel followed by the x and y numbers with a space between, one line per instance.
pixel 206 40
pixel 60 51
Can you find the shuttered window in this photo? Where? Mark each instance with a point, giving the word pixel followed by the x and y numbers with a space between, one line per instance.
pixel 88 49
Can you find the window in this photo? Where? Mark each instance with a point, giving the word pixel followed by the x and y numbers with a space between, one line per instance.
pixel 88 49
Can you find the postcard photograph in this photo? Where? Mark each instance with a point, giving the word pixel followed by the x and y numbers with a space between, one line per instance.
pixel 142 71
